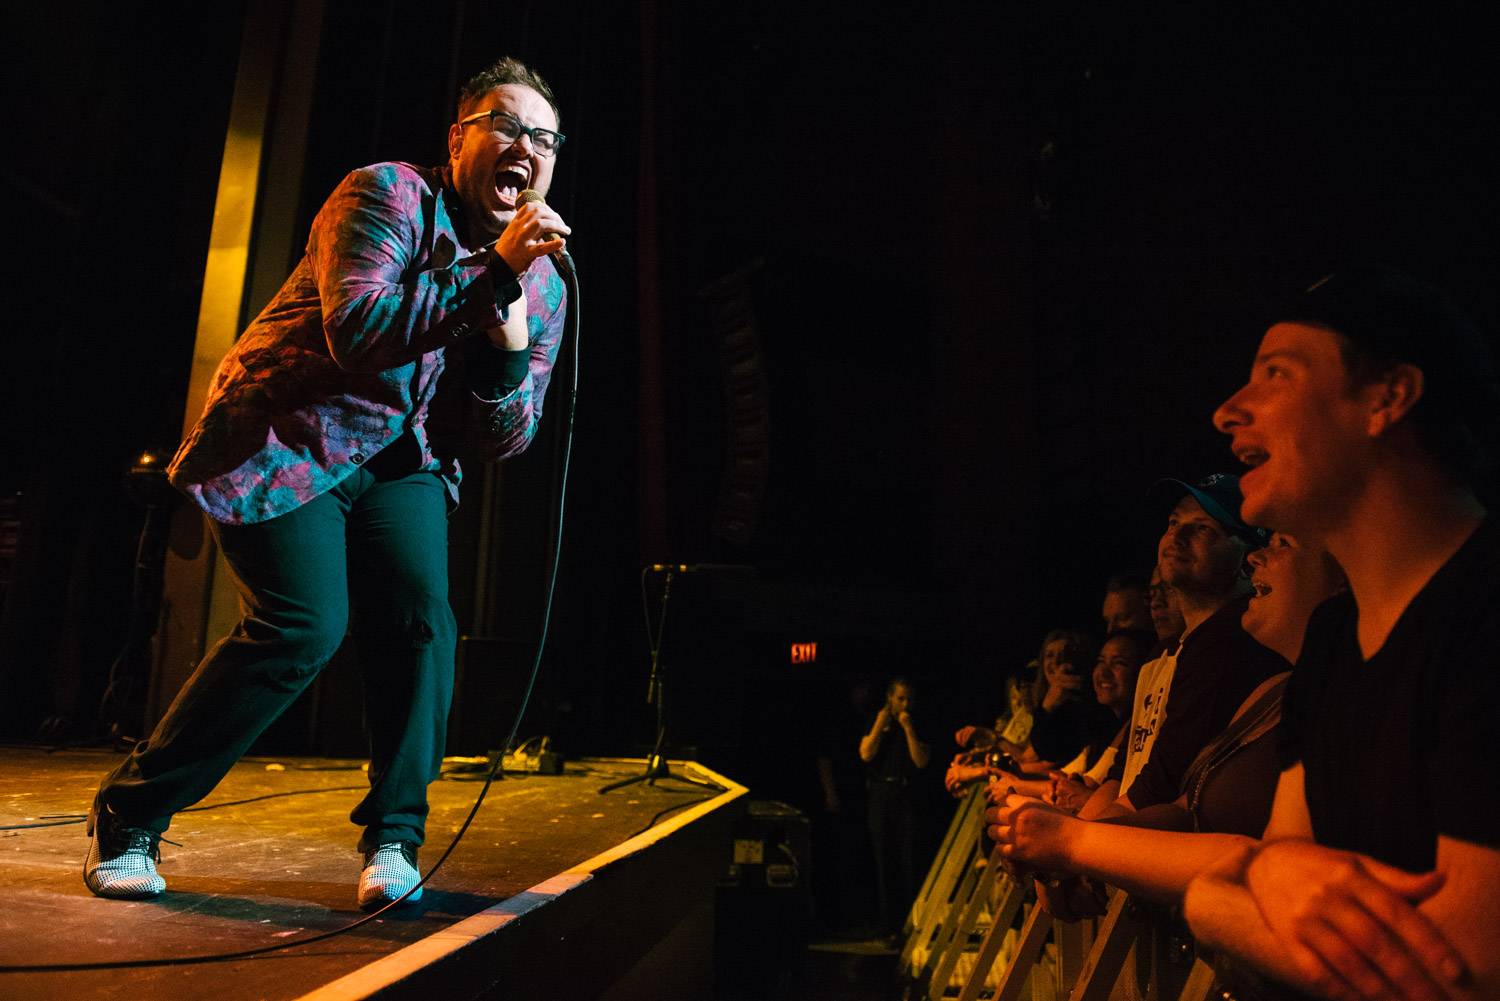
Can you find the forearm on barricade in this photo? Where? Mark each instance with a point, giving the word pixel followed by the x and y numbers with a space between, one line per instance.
pixel 1466 912
pixel 1161 817
pixel 1224 919
pixel 1149 863
pixel 1101 800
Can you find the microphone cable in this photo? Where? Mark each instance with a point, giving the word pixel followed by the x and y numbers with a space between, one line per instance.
pixel 564 264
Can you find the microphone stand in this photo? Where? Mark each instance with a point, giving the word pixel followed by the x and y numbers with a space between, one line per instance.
pixel 656 686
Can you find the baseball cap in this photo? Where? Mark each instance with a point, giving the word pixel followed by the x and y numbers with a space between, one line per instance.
pixel 1219 494
pixel 1397 317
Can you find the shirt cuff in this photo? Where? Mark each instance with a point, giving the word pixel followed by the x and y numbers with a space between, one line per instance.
pixel 506 283
pixel 493 372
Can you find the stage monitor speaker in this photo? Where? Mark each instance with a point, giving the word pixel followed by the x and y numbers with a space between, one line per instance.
pixel 763 904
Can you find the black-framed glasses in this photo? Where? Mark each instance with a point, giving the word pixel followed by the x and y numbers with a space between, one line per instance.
pixel 509 128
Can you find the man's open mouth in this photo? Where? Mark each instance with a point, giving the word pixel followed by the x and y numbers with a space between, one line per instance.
pixel 1251 456
pixel 508 185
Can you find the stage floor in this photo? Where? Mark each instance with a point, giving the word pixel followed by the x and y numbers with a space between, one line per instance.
pixel 270 856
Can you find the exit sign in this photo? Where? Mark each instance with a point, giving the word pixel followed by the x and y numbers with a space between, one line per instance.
pixel 804 653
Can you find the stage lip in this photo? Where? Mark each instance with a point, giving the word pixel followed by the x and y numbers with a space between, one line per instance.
pixel 388 971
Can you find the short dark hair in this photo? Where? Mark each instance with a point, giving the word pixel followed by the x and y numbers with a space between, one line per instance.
pixel 1144 639
pixel 1124 581
pixel 506 69
pixel 1450 436
pixel 890 688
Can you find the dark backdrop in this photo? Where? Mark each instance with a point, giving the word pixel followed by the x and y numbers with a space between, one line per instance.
pixel 1001 265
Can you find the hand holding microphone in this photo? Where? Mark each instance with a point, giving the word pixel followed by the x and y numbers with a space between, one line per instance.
pixel 536 229
pixel 533 231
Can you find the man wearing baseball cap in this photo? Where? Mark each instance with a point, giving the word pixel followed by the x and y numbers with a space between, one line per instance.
pixel 1188 695
pixel 1365 424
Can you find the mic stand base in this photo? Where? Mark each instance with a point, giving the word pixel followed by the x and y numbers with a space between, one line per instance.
pixel 656 689
pixel 657 768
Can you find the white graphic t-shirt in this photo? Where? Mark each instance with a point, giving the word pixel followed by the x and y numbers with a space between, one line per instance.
pixel 1151 689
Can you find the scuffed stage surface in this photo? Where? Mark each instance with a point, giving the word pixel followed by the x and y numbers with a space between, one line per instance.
pixel 284 865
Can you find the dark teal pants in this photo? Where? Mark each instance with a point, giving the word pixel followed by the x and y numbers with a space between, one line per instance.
pixel 381 541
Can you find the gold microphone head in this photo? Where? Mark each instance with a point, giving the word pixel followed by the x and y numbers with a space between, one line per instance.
pixel 560 257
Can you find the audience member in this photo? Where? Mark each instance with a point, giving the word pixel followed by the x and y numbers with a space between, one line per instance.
pixel 1187 695
pixel 1229 786
pixel 1228 789
pixel 1068 719
pixel 893 755
pixel 1057 681
pixel 1051 685
pixel 1114 678
pixel 1363 421
pixel 841 841
pixel 1125 605
pixel 1166 612
pixel 1366 421
pixel 1012 727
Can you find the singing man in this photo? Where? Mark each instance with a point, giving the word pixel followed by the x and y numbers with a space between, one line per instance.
pixel 425 313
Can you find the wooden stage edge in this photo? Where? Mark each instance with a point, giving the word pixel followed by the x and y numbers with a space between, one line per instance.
pixel 404 969
pixel 556 892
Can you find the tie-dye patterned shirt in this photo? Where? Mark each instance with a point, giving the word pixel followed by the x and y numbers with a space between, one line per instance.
pixel 370 339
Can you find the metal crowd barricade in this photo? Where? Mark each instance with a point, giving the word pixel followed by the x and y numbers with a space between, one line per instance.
pixel 965 894
pixel 935 899
pixel 996 898
pixel 1130 954
pixel 963 941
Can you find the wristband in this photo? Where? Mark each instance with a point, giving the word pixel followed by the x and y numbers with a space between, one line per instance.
pixel 507 289
pixel 500 267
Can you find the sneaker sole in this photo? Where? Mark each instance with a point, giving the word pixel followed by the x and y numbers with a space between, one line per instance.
pixel 106 894
pixel 377 903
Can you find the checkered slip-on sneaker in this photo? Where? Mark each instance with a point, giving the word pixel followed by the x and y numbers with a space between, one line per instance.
pixel 390 871
pixel 121 863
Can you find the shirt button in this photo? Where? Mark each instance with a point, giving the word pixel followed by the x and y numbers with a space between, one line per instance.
pixel 357 458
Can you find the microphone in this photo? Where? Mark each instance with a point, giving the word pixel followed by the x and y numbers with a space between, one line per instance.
pixel 559 257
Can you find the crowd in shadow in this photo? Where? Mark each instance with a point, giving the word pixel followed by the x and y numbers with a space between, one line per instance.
pixel 1280 733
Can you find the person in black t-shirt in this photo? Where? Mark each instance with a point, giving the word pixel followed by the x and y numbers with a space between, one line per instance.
pixel 893 755
pixel 1187 697
pixel 1218 665
pixel 1114 676
pixel 1365 420
pixel 1226 796
pixel 841 836
pixel 1207 673
pixel 1069 718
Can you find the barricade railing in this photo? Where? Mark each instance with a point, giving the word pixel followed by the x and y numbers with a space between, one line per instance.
pixel 975 932
pixel 934 901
